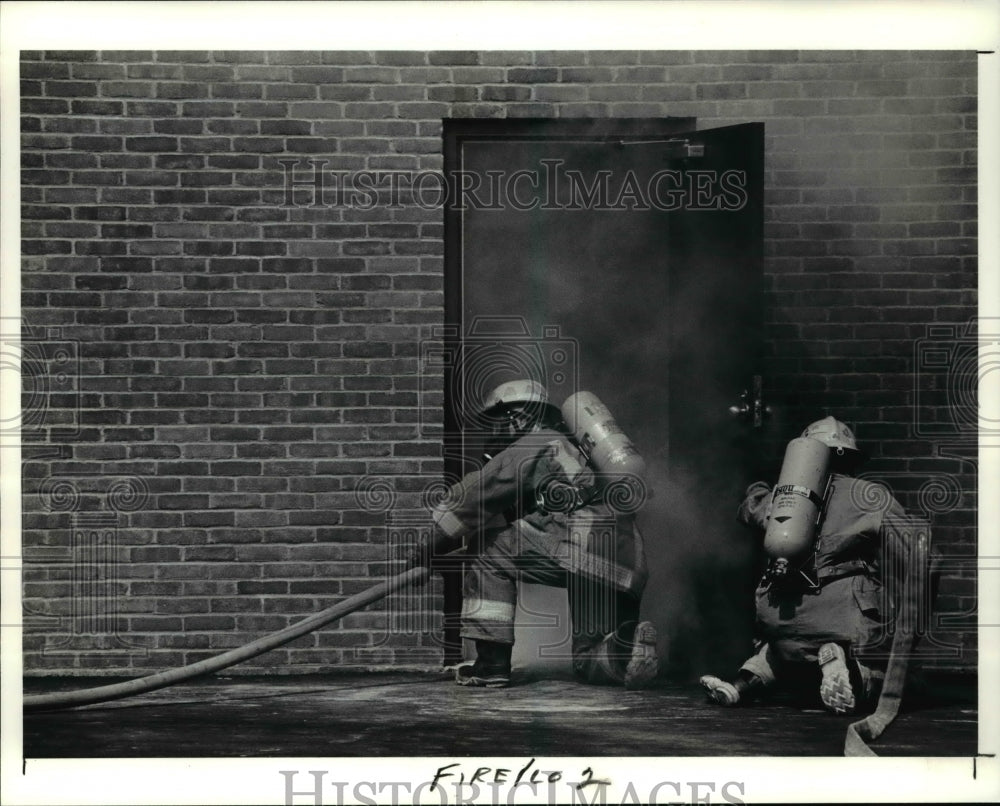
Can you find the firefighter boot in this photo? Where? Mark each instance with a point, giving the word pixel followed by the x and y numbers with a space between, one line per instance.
pixel 725 693
pixel 835 688
pixel 491 668
pixel 644 665
pixel 720 691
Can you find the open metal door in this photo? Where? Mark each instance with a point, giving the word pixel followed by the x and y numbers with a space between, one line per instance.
pixel 621 257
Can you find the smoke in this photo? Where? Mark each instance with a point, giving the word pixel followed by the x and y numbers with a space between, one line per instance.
pixel 650 334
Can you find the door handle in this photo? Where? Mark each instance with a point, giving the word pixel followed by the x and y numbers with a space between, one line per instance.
pixel 751 408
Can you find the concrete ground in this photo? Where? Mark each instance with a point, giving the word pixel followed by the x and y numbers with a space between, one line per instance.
pixel 396 714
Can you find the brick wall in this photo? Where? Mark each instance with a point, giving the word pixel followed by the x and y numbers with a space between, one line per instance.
pixel 215 370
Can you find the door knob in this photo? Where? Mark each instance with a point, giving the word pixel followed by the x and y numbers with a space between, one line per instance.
pixel 751 407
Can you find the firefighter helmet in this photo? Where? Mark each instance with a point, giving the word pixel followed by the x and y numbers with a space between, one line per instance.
pixel 512 410
pixel 832 433
pixel 520 392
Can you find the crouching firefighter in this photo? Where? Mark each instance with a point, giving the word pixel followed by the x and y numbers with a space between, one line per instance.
pixel 554 504
pixel 834 542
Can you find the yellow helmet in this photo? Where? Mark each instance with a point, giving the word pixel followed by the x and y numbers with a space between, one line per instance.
pixel 832 433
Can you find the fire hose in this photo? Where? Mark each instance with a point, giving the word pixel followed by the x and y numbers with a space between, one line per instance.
pixel 116 691
pixel 861 734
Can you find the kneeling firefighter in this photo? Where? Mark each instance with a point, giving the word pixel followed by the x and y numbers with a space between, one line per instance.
pixel 554 504
pixel 833 541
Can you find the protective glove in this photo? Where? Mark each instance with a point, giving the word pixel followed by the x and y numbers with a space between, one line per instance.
pixel 756 506
pixel 427 547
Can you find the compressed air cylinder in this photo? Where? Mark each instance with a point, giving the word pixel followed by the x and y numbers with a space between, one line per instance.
pixel 610 451
pixel 798 499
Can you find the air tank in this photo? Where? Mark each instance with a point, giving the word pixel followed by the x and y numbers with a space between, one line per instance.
pixel 798 499
pixel 609 449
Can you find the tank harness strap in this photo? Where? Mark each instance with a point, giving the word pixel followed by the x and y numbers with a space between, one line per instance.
pixel 805 492
pixel 565 497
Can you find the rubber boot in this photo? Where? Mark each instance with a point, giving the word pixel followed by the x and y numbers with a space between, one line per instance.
pixel 835 688
pixel 719 690
pixel 728 694
pixel 491 668
pixel 643 665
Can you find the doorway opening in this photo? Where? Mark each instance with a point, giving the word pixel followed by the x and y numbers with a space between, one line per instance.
pixel 622 257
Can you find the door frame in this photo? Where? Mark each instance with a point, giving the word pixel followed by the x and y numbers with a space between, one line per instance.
pixel 456 133
pixel 459 131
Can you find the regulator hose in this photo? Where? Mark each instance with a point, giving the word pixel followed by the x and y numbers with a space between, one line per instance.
pixel 116 691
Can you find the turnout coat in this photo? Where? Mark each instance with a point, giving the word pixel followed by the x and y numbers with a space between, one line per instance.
pixel 540 500
pixel 861 552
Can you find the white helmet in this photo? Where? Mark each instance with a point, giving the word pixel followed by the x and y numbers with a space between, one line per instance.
pixel 832 433
pixel 512 392
pixel 512 410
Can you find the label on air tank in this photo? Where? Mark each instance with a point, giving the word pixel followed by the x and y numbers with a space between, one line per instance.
pixel 795 489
